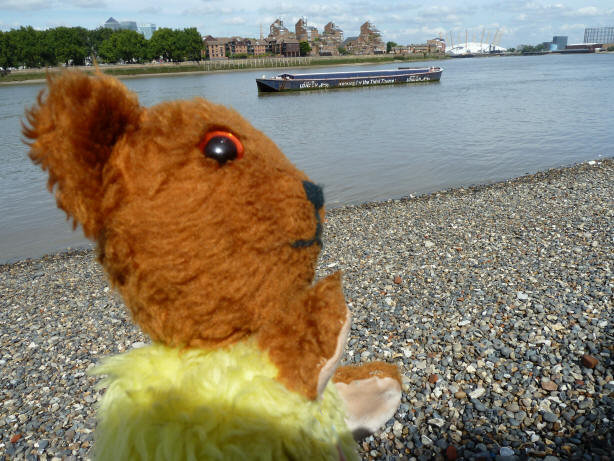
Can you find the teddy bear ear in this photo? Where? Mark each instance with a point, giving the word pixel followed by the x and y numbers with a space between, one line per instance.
pixel 72 130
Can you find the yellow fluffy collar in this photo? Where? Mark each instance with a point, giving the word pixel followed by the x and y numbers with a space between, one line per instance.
pixel 162 403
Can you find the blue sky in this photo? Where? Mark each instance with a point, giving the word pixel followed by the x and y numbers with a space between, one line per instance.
pixel 519 21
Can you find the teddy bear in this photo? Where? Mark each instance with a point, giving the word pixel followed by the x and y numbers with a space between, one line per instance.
pixel 211 236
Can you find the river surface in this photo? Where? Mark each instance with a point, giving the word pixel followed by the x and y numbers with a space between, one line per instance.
pixel 488 119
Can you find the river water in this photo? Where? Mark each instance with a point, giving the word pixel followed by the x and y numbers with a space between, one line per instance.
pixel 488 119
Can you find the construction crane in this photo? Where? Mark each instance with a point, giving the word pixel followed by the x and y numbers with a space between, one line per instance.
pixel 498 40
pixel 495 38
pixel 482 39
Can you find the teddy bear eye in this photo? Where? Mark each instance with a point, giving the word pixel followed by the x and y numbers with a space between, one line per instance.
pixel 221 146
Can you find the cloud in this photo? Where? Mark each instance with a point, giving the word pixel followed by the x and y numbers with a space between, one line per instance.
pixel 573 27
pixel 26 5
pixel 236 20
pixel 585 11
pixel 208 9
pixel 150 10
pixel 85 4
pixel 37 5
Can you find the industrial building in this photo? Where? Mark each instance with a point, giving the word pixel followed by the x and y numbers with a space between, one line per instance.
pixel 599 35
pixel 146 30
pixel 559 42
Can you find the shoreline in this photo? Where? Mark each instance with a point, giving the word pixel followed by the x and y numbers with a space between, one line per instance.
pixel 331 211
pixel 142 71
pixel 486 296
pixel 529 177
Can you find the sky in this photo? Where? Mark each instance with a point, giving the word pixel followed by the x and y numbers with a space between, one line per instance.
pixel 401 21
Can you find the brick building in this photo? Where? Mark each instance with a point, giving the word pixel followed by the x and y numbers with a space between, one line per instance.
pixel 287 47
pixel 368 42
pixel 214 48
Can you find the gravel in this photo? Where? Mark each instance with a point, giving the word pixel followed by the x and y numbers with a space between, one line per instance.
pixel 495 301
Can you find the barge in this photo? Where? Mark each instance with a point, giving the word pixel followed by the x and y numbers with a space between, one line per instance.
pixel 318 81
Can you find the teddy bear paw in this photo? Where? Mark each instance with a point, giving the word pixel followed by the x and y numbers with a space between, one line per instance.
pixel 371 399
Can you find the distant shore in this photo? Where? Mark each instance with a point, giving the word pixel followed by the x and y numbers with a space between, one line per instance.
pixel 29 76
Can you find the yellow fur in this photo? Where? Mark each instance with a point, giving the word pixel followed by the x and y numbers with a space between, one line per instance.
pixel 163 403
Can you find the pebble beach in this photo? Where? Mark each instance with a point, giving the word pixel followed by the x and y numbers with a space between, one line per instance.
pixel 495 301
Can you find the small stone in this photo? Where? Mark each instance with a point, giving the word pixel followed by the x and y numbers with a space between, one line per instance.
pixel 513 407
pixel 506 451
pixel 556 426
pixel 43 444
pixel 522 296
pixel 476 394
pixel 433 378
pixel 471 369
pixel 16 438
pixel 428 244
pixel 460 395
pixel 451 453
pixel 436 422
pixel 589 361
pixel 398 280
pixel 397 429
pixel 549 385
pixel 425 440
pixel 549 416
pixel 479 406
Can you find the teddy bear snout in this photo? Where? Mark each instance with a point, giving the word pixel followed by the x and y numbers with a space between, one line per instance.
pixel 316 197
pixel 314 194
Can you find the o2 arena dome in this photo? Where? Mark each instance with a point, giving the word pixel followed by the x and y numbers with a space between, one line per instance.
pixel 475 48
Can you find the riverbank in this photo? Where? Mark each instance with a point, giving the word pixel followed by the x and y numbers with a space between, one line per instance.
pixel 205 67
pixel 495 301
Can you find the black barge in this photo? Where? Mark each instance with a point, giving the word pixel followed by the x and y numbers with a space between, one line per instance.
pixel 318 81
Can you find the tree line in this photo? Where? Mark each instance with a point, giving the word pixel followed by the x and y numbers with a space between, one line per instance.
pixel 28 47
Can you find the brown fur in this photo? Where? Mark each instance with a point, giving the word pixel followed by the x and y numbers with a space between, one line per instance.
pixel 201 253
pixel 347 374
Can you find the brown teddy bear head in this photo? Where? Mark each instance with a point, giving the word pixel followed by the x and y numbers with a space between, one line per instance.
pixel 201 222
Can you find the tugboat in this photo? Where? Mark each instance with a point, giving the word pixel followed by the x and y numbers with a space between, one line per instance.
pixel 318 81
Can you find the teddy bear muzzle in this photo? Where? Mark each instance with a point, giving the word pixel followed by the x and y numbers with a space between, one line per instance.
pixel 315 195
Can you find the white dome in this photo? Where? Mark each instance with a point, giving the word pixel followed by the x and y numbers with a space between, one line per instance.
pixel 474 48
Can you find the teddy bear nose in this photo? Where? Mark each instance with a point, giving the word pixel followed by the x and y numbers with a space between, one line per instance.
pixel 314 194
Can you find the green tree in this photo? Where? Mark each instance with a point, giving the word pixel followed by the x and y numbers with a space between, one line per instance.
pixel 191 44
pixel 25 45
pixel 66 45
pixel 531 48
pixel 5 54
pixel 96 37
pixel 305 49
pixel 390 46
pixel 124 45
pixel 162 44
pixel 176 45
